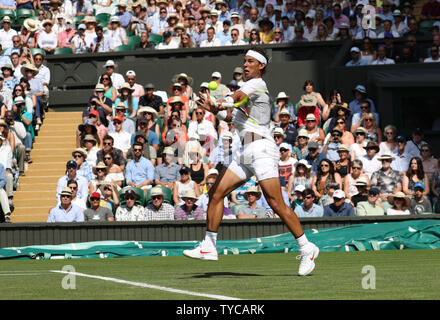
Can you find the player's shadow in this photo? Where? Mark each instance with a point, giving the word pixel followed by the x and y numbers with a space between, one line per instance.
pixel 224 274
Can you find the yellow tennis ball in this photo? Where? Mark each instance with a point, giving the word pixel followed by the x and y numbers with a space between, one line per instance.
pixel 212 85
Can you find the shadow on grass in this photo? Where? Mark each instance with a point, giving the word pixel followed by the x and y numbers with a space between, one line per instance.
pixel 224 274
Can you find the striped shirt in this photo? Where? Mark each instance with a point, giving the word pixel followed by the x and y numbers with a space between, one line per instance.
pixel 165 212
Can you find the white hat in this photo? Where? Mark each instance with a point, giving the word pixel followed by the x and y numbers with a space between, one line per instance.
pixel 216 74
pixel 310 117
pixel 303 133
pixel 130 73
pixel 204 85
pixel 227 135
pixel 355 49
pixel 280 131
pixel 300 188
pixel 286 145
pixel 212 171
pixel 284 111
pixel 361 181
pixel 282 95
pixel 110 63
pixel 339 194
pixel 304 163
pixel 190 193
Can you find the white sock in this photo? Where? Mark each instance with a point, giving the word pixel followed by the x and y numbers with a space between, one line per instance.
pixel 211 238
pixel 302 241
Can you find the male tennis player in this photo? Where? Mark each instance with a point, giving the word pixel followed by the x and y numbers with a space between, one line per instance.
pixel 249 109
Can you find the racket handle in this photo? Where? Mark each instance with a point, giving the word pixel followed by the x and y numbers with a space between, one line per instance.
pixel 225 104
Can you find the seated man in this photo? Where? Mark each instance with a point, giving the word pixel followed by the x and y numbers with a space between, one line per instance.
pixel 108 143
pixel 96 212
pixel 371 207
pixel 339 207
pixel 83 189
pixel 148 153
pixel 122 139
pixel 167 173
pixel 139 172
pixel 157 209
pixel 130 211
pixel 419 203
pixel 251 210
pixel 190 210
pixel 309 209
pixel 66 211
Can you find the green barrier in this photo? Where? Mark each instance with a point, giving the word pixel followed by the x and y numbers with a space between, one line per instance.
pixel 412 234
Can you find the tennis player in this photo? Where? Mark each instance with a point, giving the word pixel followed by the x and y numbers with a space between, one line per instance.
pixel 249 109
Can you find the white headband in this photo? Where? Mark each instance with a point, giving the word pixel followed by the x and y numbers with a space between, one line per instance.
pixel 257 56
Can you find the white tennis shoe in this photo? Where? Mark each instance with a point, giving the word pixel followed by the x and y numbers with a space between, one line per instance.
pixel 202 252
pixel 307 257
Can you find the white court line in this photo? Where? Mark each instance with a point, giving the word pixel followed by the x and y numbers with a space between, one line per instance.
pixel 150 286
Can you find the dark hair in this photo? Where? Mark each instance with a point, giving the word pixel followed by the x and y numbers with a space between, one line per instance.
pixel 308 192
pixel 71 181
pixel 138 144
pixel 110 79
pixel 420 172
pixel 108 137
pixel 308 83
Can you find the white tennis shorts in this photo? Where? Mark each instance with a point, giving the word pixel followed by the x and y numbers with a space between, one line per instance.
pixel 259 158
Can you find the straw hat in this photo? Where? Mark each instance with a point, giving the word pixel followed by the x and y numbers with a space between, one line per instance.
pixel 30 24
pixel 399 195
pixel 156 191
pixel 176 99
pixel 343 148
pixel 100 165
pixel 188 79
pixel 80 150
pixel 126 85
pixel 190 194
pixel 89 19
pixel 66 192
pixel 343 106
pixel 148 109
pixel 252 189
pixel 29 66
pixel 304 163
pixel 302 133
pixel 386 156
pixel 89 137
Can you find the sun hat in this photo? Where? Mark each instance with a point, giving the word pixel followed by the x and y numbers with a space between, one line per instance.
pixel 115 19
pixel 169 151
pixel 361 181
pixel 176 99
pixel 110 63
pixel 156 191
pixel 47 21
pixel 343 148
pixel 189 194
pixel 284 112
pixel 310 117
pixel 80 150
pixel 212 171
pixel 386 156
pixel 149 110
pixel 339 194
pixel 355 49
pixel 29 66
pixel 66 191
pixel 399 195
pixel 126 85
pixel 100 165
pixel 343 106
pixel 313 145
pixel 216 74
pixel 89 137
pixel 99 87
pixel 302 133
pixel 300 188
pixel 304 163
pixel 372 145
pixel 252 189
pixel 360 88
pixel 30 24
pixel 279 131
pixel 176 78
pixel 286 146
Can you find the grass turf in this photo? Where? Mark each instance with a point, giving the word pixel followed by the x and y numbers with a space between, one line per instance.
pixel 406 274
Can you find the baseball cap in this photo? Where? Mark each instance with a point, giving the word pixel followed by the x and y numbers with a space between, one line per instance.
pixel 313 145
pixel 374 191
pixel 300 188
pixel 118 118
pixel 339 194
pixel 286 146
pixel 94 112
pixel 419 185
pixel 400 139
pixel 355 49
pixel 95 195
pixel 216 74
pixel 130 73
pixel 71 164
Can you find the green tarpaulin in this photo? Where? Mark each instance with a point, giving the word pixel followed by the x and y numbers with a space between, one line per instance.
pixel 413 234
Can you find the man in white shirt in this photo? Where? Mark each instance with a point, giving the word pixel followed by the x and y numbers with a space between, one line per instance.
pixel 381 57
pixel 235 34
pixel 236 24
pixel 369 161
pixel 251 23
pixel 310 30
pixel 122 139
pixel 43 74
pixel 6 33
pixel 115 33
pixel 212 41
pixel 167 42
pixel 218 25
pixel 434 55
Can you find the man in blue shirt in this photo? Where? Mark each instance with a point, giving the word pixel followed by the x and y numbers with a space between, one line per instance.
pixel 339 208
pixel 356 59
pixel 71 169
pixel 225 35
pixel 139 172
pixel 66 211
pixel 314 157
pixel 309 209
pixel 360 95
pixel 123 15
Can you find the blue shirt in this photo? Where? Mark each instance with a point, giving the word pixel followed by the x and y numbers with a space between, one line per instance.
pixel 139 171
pixel 125 18
pixel 351 63
pixel 83 186
pixel 2 176
pixel 224 37
pixel 59 214
pixel 346 210
pixel 355 106
pixel 315 163
pixel 315 211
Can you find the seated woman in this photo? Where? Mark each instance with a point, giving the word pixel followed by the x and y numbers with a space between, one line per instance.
pixel 183 185
pixel 115 173
pixel 351 179
pixel 301 177
pixel 415 174
pixel 130 102
pixel 109 90
pixel 301 151
pixel 326 175
pixel 400 204
pixel 189 210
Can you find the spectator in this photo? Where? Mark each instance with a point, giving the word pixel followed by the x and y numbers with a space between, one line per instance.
pixel 420 204
pixel 100 172
pixel 182 185
pixel 84 169
pixel 144 44
pixel 413 29
pixel 325 175
pixel 381 57
pixel 117 80
pixel 101 42
pixel 96 212
pixel 358 148
pixel 300 150
pixel 100 103
pixel 254 37
pixel 314 157
pixel 351 179
pixel 281 103
pixel 87 128
pixel 121 138
pixel 414 145
pixel 71 174
pixel 370 161
pixel 223 152
pixel 157 209
pixel 139 172
pixel 332 144
pixel 360 95
pixel 400 204
pixel 19 133
pixel 309 209
pixel 130 211
pixel 108 143
pixel 203 200
pixel 151 100
pixel 148 151
pixel 251 23
pixel 430 164
pixel 189 210
pixel 123 15
pixel 89 144
pixel 286 165
pixel 343 164
pixel 402 158
pixel 299 34
pixel 387 180
pixel 109 90
pixel 82 7
pixel 47 39
pixel 310 29
pixel 322 33
pixel 399 26
pixel 372 206
pixel 7 33
pixel 25 118
pixel 235 41
pixel 359 120
pixel 300 177
pixel 289 129
pixel 297 197
pixel 130 102
pixel 9 80
pixel 266 30
pixel 65 211
pixel 167 173
pixel 434 55
pixel 313 132
pixel 339 207
pixel 36 88
pixel 356 58
pixel 251 210
pixel 73 185
pixel 308 104
pixel 361 186
pixel 390 144
pixel 414 175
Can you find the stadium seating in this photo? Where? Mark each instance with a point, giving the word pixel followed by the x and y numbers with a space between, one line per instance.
pixel 139 192
pixel 23 14
pixel 168 196
pixel 66 50
pixel 7 12
pixel 155 38
pixel 133 40
pixel 123 48
pixel 34 51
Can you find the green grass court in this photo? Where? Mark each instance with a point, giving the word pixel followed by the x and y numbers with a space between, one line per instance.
pixel 400 274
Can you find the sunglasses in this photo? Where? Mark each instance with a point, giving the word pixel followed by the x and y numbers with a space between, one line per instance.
pixel 76 156
pixel 156 197
pixel 105 78
pixel 100 169
pixel 65 196
pixel 210 183
pixel 137 150
pixel 278 137
pixel 92 116
pixel 94 199
pixel 336 135
pixel 283 150
pixel 108 143
pixel 308 197
pixel 324 165
pixel 340 122
pixel 117 122
pixel 368 119
pixel 73 188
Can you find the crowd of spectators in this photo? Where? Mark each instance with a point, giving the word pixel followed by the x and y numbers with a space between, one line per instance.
pixel 145 153
pixel 113 25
